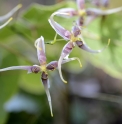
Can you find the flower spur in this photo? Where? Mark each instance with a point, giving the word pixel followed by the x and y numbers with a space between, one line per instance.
pixel 89 13
pixel 75 39
pixel 43 67
pixel 8 16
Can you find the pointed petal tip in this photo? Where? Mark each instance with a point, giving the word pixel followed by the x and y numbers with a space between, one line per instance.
pixel 19 6
pixel 10 19
pixel 2 26
pixel 81 65
pixel 50 105
pixel 65 81
pixel 76 58
pixel 51 114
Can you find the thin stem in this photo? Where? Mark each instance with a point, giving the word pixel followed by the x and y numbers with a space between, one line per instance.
pixel 52 41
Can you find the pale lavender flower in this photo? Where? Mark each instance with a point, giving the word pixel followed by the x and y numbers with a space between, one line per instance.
pixel 90 13
pixel 75 39
pixel 8 16
pixel 43 68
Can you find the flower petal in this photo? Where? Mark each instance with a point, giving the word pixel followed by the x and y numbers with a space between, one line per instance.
pixel 28 68
pixel 52 65
pixel 70 12
pixel 39 44
pixel 65 52
pixel 35 69
pixel 80 21
pixel 103 12
pixel 58 28
pixel 80 4
pixel 72 59
pixel 100 3
pixel 89 19
pixel 76 30
pixel 105 3
pixel 8 15
pixel 2 26
pixel 96 3
pixel 45 81
pixel 81 44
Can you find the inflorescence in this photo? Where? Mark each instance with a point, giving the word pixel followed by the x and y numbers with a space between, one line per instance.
pixel 73 38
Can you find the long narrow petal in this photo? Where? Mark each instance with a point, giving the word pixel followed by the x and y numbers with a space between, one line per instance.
pixel 80 4
pixel 96 2
pixel 65 52
pixel 58 28
pixel 72 59
pixel 45 81
pixel 8 15
pixel 81 44
pixel 100 3
pixel 70 12
pixel 39 44
pixel 103 12
pixel 28 68
pixel 2 26
pixel 105 3
pixel 89 19
pixel 54 64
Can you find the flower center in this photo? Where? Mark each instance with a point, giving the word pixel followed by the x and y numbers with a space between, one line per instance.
pixel 82 12
pixel 43 68
pixel 73 38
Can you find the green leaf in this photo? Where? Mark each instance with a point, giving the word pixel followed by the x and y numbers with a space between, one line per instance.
pixel 8 83
pixel 109 60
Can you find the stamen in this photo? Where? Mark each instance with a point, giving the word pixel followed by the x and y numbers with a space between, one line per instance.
pixel 73 38
pixel 81 12
pixel 43 68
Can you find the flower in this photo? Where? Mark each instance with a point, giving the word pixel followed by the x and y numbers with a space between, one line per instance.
pixel 8 16
pixel 90 13
pixel 43 67
pixel 74 37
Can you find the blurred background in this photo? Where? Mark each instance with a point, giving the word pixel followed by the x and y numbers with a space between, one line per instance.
pixel 93 94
